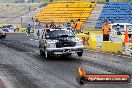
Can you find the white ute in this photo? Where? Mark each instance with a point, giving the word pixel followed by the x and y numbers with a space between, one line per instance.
pixel 59 41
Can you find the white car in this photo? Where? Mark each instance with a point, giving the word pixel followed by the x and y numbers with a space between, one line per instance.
pixel 59 41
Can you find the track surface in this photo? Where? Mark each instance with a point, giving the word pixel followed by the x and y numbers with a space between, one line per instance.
pixel 21 66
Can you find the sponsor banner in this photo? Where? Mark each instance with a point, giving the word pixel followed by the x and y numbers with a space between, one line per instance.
pixel 107 78
pixel 104 78
pixel 11 28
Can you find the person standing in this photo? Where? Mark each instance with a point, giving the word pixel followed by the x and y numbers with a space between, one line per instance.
pixel 78 26
pixel 46 25
pixel 72 24
pixel 106 31
pixel 28 30
pixel 52 25
pixel 65 23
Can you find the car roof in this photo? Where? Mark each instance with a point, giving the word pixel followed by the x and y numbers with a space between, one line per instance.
pixel 51 29
pixel 121 24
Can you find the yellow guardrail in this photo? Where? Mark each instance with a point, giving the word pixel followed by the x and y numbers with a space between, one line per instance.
pixel 90 42
pixel 24 30
pixel 128 49
pixel 111 47
pixel 92 31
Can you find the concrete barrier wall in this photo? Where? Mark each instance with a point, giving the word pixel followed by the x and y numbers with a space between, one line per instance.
pixel 92 31
pixel 111 47
pixel 89 41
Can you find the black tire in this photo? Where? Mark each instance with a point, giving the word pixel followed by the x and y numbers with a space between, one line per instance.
pixel 43 54
pixel 79 53
pixel 4 37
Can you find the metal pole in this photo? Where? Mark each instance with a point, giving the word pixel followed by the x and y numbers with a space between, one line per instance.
pixel 21 21
pixel 34 27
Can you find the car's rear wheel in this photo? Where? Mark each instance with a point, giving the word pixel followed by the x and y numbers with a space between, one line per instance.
pixel 80 53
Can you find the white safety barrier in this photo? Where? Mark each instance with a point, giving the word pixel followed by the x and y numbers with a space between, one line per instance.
pixel 128 49
pixel 99 39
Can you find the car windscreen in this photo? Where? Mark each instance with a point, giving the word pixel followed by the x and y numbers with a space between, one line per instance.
pixel 120 27
pixel 58 33
pixel 129 27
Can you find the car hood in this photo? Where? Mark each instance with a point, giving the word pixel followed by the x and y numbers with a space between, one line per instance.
pixel 64 39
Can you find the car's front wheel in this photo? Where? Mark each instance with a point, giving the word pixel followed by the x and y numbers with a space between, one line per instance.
pixel 80 53
pixel 4 36
pixel 44 54
pixel 41 53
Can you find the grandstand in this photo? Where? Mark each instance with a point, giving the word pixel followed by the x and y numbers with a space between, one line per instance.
pixel 116 12
pixel 91 12
pixel 61 11
pixel 99 1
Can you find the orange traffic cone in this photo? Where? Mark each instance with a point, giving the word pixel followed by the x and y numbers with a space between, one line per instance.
pixel 126 39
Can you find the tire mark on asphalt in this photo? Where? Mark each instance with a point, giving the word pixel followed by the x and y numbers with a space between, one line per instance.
pixel 42 69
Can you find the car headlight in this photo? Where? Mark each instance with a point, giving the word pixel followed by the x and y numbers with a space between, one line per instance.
pixel 79 43
pixel 51 45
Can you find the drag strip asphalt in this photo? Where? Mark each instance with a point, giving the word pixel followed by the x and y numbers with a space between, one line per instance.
pixel 21 66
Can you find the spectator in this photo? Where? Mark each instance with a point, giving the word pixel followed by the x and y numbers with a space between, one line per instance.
pixel 28 30
pixel 106 30
pixel 65 23
pixel 78 26
pixel 72 24
pixel 29 8
pixel 130 38
pixel 118 29
pixel 69 25
pixel 52 25
pixel 46 26
pixel 32 19
pixel 39 24
pixel 90 6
